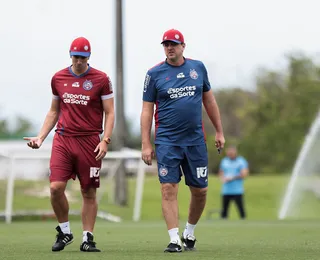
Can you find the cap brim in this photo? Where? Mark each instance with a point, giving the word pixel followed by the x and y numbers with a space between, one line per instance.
pixel 176 41
pixel 79 53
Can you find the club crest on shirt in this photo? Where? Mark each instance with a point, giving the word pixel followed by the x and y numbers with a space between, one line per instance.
pixel 193 74
pixel 163 171
pixel 87 85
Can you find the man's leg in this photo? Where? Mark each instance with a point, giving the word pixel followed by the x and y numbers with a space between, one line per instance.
pixel 59 200
pixel 89 209
pixel 169 173
pixel 60 207
pixel 240 205
pixel 225 206
pixel 88 169
pixel 195 171
pixel 89 215
pixel 197 205
pixel 170 212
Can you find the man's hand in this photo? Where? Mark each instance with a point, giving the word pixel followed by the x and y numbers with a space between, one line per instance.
pixel 33 142
pixel 147 154
pixel 102 149
pixel 219 143
pixel 227 179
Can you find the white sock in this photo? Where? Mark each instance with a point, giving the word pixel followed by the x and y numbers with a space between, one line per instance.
pixel 84 236
pixel 174 235
pixel 189 230
pixel 65 227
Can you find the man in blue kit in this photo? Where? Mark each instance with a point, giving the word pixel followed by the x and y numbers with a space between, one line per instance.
pixel 233 171
pixel 178 87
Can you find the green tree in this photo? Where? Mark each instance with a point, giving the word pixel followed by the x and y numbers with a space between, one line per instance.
pixel 285 108
pixel 22 128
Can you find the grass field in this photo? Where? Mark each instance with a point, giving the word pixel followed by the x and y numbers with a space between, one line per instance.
pixel 261 236
pixel 219 240
pixel 263 199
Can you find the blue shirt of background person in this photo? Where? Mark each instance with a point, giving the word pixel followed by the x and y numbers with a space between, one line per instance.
pixel 233 170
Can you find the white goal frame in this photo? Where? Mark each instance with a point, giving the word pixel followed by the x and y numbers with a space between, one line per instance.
pixel 115 155
pixel 298 167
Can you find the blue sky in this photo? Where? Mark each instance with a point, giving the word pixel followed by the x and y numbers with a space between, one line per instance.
pixel 233 39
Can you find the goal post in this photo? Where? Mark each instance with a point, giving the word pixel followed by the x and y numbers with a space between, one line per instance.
pixel 309 154
pixel 116 156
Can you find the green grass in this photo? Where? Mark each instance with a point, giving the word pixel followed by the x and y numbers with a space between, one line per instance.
pixel 219 240
pixel 263 198
pixel 261 236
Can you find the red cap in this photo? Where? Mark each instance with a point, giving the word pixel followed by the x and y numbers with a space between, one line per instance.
pixel 173 35
pixel 80 46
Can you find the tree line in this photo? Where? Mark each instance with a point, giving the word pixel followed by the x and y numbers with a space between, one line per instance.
pixel 269 123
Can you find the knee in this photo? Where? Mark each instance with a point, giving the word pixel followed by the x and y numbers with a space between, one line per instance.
pixel 200 193
pixel 57 189
pixel 169 191
pixel 88 194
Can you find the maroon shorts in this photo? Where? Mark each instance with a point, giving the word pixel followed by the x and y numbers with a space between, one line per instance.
pixel 73 156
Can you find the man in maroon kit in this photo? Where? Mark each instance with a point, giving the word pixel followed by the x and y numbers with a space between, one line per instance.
pixel 82 96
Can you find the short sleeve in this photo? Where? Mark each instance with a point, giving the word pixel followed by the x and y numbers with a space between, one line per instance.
pixel 149 89
pixel 206 83
pixel 53 88
pixel 107 90
pixel 243 163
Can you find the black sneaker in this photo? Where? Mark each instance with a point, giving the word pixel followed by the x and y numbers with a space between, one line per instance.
pixel 188 242
pixel 89 245
pixel 62 240
pixel 173 247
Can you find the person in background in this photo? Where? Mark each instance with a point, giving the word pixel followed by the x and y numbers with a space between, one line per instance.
pixel 233 170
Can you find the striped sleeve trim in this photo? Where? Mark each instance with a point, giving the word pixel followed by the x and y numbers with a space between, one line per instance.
pixel 104 97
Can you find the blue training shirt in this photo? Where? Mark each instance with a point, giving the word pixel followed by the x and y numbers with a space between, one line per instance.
pixel 177 92
pixel 233 168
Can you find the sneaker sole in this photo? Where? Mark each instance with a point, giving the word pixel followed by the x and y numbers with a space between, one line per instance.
pixel 56 250
pixel 176 251
pixel 90 251
pixel 189 248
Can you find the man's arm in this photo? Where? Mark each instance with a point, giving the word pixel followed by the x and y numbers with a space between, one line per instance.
pixel 212 110
pixel 146 121
pixel 50 120
pixel 102 147
pixel 221 175
pixel 146 124
pixel 243 174
pixel 108 108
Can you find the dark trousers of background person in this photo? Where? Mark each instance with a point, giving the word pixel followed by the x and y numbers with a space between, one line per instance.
pixel 238 199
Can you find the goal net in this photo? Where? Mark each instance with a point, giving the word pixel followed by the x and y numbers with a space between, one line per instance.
pixel 302 196
pixel 25 186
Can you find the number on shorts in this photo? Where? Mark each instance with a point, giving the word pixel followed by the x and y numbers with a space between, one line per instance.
pixel 202 172
pixel 94 172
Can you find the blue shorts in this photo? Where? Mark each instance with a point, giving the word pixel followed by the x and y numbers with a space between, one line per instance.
pixel 191 161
